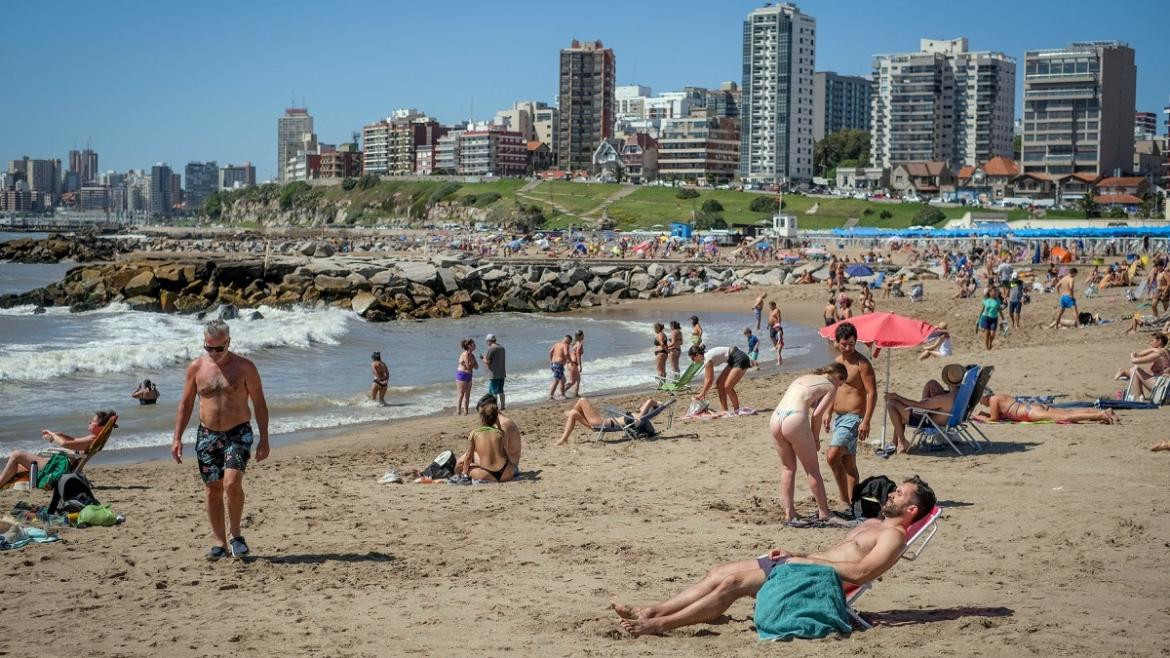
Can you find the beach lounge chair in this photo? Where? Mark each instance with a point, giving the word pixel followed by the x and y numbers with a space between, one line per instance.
pixel 966 426
pixel 683 381
pixel 77 458
pixel 1158 391
pixel 633 428
pixel 918 535
pixel 932 425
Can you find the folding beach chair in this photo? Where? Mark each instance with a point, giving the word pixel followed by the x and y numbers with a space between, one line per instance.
pixel 77 458
pixel 931 425
pixel 683 382
pixel 634 428
pixel 966 425
pixel 918 535
pixel 1157 394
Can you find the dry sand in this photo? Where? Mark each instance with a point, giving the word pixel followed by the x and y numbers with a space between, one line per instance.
pixel 1054 541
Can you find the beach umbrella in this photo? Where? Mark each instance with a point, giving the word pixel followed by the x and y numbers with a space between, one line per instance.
pixel 882 330
pixel 858 269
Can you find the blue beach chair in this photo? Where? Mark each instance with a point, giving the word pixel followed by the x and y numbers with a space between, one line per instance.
pixel 930 425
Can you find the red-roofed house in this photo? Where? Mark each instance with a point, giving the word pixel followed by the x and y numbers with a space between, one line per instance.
pixel 924 178
pixel 539 156
pixel 1121 191
pixel 990 181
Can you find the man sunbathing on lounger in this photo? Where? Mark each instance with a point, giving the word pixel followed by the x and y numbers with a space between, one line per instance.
pixel 867 552
pixel 1003 407
pixel 584 413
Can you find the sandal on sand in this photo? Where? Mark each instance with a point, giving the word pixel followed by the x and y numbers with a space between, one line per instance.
pixel 239 547
pixel 216 553
pixel 797 522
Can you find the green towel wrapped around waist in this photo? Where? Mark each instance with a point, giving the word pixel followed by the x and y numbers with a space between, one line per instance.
pixel 801 600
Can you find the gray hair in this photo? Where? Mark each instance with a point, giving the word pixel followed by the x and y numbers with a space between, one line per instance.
pixel 217 329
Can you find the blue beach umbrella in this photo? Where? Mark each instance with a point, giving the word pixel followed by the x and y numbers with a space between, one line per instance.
pixel 857 269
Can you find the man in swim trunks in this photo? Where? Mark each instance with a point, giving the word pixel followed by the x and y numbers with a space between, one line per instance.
pixel 853 408
pixel 381 373
pixel 558 355
pixel 224 382
pixel 776 331
pixel 1162 294
pixel 1067 289
pixel 758 308
pixel 868 551
pixel 494 360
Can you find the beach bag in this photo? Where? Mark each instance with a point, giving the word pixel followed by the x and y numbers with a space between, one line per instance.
pixel 642 430
pixel 57 466
pixel 72 494
pixel 870 494
pixel 97 515
pixel 442 468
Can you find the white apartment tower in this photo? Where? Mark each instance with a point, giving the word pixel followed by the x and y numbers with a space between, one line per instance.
pixel 942 104
pixel 290 131
pixel 776 103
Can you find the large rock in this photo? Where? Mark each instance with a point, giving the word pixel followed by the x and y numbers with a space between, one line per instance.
pixel 577 290
pixel 357 281
pixel 613 285
pixel 495 274
pixel 174 276
pixel 334 285
pixel 238 274
pixel 142 303
pixel 655 270
pixel 142 284
pixel 578 275
pixel 641 281
pixel 447 278
pixel 546 290
pixel 423 273
pixel 604 270
pixel 324 250
pixel 363 301
pixel 166 301
pixel 384 278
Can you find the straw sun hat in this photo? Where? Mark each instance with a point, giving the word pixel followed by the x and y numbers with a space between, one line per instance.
pixel 953 374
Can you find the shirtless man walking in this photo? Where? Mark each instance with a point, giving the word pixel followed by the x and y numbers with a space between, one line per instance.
pixel 1067 288
pixel 381 374
pixel 853 409
pixel 224 382
pixel 776 331
pixel 867 552
pixel 758 308
pixel 1162 291
pixel 558 355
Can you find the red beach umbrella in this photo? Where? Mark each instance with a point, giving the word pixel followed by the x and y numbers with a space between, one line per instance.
pixel 881 329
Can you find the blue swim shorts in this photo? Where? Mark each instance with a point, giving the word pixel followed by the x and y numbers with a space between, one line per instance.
pixel 496 386
pixel 845 432
pixel 1067 301
pixel 558 370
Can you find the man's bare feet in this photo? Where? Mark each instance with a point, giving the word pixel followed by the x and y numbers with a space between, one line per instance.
pixel 639 627
pixel 1161 446
pixel 625 611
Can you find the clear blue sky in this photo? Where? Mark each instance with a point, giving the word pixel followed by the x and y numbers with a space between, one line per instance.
pixel 206 80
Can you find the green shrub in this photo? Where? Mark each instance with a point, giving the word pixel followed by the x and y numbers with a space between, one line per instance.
pixel 705 221
pixel 368 181
pixel 928 216
pixel 687 193
pixel 292 193
pixel 867 212
pixel 443 191
pixel 885 214
pixel 765 204
pixel 711 205
pixel 348 184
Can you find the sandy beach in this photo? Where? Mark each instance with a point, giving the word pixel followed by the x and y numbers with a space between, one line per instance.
pixel 1053 541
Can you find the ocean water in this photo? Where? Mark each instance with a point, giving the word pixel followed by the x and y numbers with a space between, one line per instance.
pixel 56 368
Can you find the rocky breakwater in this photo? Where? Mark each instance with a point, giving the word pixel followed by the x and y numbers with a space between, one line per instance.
pixel 376 289
pixel 82 248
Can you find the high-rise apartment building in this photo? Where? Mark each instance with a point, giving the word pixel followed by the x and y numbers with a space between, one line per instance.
pixel 840 102
pixel 1079 109
pixel 290 130
pixel 586 103
pixel 390 146
pixel 176 189
pixel 492 150
pixel 43 176
pixel 776 99
pixel 233 176
pixel 161 193
pixel 202 182
pixel 699 148
pixel 85 163
pixel 630 101
pixel 942 104
pixel 723 102
pixel 1145 125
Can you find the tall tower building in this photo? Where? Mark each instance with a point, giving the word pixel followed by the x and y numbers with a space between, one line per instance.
pixel 290 130
pixel 942 104
pixel 586 103
pixel 1079 109
pixel 161 194
pixel 840 102
pixel 202 181
pixel 85 163
pixel 776 99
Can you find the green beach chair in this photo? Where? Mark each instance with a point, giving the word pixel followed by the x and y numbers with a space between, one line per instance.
pixel 683 381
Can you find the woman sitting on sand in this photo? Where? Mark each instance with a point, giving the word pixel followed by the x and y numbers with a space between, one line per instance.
pixel 1003 407
pixel 796 432
pixel 938 343
pixel 487 454
pixel 21 460
pixel 584 413
pixel 737 362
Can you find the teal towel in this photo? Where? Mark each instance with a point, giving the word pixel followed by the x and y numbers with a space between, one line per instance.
pixel 801 600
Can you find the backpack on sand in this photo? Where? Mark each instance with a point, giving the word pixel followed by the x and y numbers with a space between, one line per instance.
pixel 870 494
pixel 442 468
pixel 71 494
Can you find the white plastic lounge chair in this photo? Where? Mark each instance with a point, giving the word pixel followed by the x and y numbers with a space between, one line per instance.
pixel 918 535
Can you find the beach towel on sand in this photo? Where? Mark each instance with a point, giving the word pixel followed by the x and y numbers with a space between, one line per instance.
pixel 801 600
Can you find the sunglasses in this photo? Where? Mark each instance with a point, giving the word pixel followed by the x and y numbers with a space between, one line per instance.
pixel 212 348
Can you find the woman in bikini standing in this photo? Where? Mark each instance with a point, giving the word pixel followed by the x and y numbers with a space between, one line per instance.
pixel 796 431
pixel 674 347
pixel 487 456
pixel 463 369
pixel 573 371
pixel 696 331
pixel 660 351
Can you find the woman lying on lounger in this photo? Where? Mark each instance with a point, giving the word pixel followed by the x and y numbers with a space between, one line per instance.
pixel 20 460
pixel 584 413
pixel 1003 407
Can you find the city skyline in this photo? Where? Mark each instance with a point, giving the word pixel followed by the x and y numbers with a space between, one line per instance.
pixel 166 109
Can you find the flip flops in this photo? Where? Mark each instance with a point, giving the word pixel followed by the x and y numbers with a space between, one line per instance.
pixel 391 477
